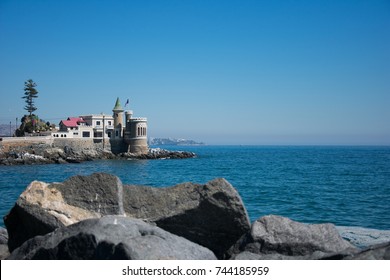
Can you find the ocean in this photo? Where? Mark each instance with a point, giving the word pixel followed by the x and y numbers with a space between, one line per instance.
pixel 347 186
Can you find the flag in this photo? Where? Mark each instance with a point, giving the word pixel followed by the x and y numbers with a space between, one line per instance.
pixel 127 102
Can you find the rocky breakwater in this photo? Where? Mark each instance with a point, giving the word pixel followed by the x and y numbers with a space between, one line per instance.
pixel 157 153
pixel 48 151
pixel 99 217
pixel 72 151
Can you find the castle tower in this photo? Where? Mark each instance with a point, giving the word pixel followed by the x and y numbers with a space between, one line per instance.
pixel 136 135
pixel 118 120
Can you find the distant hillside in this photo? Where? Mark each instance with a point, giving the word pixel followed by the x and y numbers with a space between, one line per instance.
pixel 173 142
pixel 4 129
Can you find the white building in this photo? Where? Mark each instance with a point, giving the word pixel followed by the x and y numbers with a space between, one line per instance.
pixel 88 126
pixel 100 123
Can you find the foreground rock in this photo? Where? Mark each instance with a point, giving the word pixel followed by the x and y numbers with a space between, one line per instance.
pixel 74 219
pixel 3 236
pixel 3 243
pixel 364 237
pixel 211 215
pixel 276 237
pixel 375 252
pixel 111 238
pixel 43 207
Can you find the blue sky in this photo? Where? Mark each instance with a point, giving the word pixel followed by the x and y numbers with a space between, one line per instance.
pixel 222 72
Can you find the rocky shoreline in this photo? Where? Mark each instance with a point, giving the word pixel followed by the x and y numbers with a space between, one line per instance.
pixel 98 217
pixel 42 154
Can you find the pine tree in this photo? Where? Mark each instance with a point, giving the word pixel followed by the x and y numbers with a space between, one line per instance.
pixel 29 94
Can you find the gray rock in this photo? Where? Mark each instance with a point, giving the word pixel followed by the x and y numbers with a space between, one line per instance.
pixel 111 237
pixel 211 215
pixel 376 252
pixel 246 255
pixel 276 237
pixel 158 153
pixel 3 236
pixel 4 253
pixel 364 237
pixel 43 207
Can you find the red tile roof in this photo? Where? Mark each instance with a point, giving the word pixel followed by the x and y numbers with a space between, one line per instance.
pixel 72 122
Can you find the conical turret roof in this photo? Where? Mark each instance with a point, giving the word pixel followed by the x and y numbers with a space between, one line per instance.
pixel 118 106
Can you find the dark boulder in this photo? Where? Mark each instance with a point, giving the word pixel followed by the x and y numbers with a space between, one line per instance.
pixel 111 238
pixel 276 237
pixel 212 215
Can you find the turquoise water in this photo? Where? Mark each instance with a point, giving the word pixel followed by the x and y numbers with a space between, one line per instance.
pixel 347 186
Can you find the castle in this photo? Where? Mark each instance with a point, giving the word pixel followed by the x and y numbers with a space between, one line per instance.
pixel 122 132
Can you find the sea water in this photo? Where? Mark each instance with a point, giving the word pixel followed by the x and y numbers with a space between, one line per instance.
pixel 347 186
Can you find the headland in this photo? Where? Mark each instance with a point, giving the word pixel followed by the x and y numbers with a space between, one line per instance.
pixel 47 150
pixel 86 138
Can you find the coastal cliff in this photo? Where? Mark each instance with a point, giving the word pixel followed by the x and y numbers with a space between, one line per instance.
pixel 99 217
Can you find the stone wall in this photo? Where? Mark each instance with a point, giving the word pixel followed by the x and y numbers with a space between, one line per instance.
pixel 10 143
pixel 82 144
pixel 117 146
pixel 77 144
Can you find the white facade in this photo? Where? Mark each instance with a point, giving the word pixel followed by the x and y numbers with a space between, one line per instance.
pixel 99 123
pixel 91 127
pixel 81 131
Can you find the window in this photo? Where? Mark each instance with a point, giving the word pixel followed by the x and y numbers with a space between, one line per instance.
pixel 98 134
pixel 97 122
pixel 109 123
pixel 86 134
